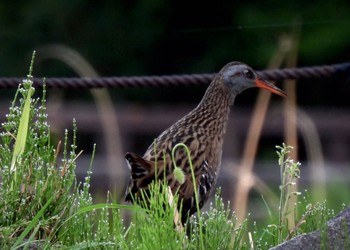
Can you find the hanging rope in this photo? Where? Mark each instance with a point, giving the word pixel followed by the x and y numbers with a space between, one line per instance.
pixel 326 71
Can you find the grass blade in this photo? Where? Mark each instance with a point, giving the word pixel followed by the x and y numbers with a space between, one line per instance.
pixel 32 224
pixel 22 129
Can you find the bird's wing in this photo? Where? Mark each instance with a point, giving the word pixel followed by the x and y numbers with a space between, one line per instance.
pixel 205 180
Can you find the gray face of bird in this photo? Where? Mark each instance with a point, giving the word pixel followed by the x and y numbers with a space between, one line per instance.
pixel 238 77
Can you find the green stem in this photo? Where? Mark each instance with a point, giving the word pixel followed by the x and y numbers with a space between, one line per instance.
pixel 188 153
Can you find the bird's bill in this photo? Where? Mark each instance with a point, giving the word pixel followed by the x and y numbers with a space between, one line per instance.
pixel 270 87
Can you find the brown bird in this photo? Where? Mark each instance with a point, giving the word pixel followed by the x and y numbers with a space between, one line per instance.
pixel 202 131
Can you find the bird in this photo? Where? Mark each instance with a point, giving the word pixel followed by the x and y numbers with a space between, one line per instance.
pixel 202 131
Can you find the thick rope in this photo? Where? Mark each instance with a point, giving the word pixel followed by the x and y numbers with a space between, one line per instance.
pixel 326 71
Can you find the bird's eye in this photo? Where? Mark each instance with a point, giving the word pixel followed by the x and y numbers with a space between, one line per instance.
pixel 248 73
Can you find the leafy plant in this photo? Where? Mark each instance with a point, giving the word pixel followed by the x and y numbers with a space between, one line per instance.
pixel 39 189
pixel 312 216
pixel 289 171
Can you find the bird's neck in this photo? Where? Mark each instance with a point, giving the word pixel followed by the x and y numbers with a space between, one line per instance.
pixel 217 99
pixel 215 106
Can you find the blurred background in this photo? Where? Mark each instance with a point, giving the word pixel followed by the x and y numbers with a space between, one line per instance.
pixel 134 38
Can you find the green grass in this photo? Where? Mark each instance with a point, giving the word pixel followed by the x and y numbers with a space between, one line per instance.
pixel 43 205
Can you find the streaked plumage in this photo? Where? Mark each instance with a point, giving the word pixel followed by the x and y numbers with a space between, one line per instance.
pixel 202 130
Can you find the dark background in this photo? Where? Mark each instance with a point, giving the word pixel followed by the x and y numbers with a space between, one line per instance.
pixel 169 37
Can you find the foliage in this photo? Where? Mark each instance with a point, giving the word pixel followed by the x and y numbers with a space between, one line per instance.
pixel 39 189
pixel 312 216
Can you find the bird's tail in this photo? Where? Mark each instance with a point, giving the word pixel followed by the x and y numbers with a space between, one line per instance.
pixel 140 174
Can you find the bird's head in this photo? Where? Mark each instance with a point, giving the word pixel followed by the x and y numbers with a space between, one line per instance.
pixel 239 76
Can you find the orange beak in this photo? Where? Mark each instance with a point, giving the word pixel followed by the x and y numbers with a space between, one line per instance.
pixel 270 87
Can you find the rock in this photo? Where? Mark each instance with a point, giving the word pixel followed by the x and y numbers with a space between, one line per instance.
pixel 338 236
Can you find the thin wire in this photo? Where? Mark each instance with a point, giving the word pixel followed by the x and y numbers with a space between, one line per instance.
pixel 257 26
